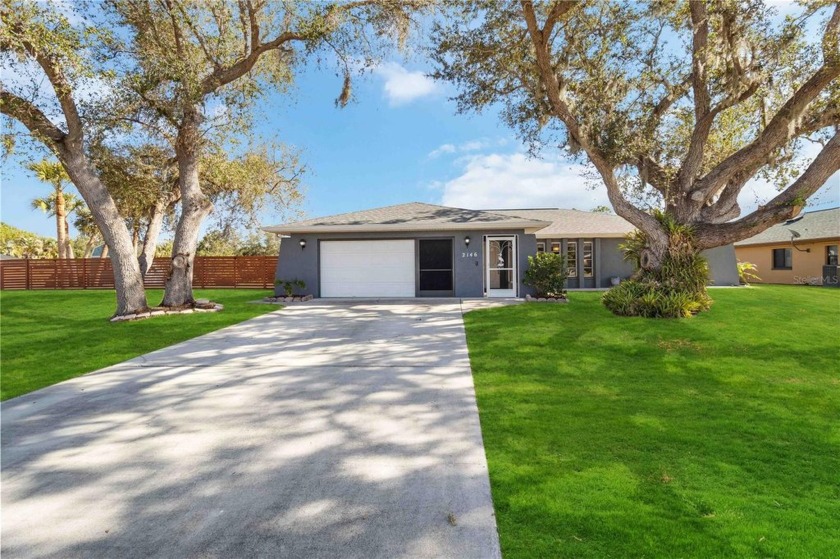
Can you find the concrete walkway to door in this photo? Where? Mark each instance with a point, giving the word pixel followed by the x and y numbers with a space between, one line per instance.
pixel 320 430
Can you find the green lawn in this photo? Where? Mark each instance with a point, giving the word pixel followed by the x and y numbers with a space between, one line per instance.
pixel 716 436
pixel 50 336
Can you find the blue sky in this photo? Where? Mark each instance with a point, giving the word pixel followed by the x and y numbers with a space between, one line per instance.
pixel 400 140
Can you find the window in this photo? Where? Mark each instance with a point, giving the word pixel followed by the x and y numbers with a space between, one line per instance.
pixel 587 259
pixel 540 247
pixel 555 248
pixel 782 259
pixel 571 258
pixel 831 255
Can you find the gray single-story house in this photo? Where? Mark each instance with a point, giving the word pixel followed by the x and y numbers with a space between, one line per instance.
pixel 417 250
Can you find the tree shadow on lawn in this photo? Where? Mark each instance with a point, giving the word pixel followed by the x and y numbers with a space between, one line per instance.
pixel 280 436
pixel 608 441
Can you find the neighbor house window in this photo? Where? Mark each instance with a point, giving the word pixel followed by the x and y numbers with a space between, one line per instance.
pixel 831 255
pixel 540 247
pixel 555 248
pixel 587 259
pixel 571 258
pixel 782 259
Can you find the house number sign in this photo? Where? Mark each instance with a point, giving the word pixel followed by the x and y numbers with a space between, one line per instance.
pixel 469 254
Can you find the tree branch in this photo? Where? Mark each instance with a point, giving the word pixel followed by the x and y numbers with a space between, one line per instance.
pixel 562 111
pixel 703 118
pixel 558 11
pixel 779 208
pixel 224 76
pixel 781 128
pixel 30 116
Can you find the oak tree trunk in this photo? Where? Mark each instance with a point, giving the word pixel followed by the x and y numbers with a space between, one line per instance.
pixel 195 206
pixel 89 246
pixel 147 254
pixel 131 295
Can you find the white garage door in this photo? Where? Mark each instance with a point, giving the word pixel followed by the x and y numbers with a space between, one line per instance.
pixel 367 268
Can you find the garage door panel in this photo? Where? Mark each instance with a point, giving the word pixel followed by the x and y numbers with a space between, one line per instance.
pixel 367 268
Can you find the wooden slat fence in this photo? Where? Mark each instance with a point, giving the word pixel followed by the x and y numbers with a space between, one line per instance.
pixel 96 273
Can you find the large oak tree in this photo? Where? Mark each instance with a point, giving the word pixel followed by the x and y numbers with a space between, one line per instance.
pixel 38 43
pixel 679 102
pixel 200 61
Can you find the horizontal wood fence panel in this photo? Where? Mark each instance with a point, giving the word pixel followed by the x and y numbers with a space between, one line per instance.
pixel 97 273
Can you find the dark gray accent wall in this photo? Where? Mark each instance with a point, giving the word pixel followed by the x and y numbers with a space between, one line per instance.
pixel 612 262
pixel 302 264
pixel 723 265
pixel 297 263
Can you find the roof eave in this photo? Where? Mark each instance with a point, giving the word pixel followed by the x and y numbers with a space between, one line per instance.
pixel 800 240
pixel 579 235
pixel 529 226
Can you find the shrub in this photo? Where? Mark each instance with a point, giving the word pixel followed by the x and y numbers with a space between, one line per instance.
pixel 746 272
pixel 674 290
pixel 290 285
pixel 547 274
pixel 654 300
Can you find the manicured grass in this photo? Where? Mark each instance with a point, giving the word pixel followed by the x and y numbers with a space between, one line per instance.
pixel 50 336
pixel 715 436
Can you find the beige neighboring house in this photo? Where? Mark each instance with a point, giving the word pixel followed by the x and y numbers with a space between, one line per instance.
pixel 796 251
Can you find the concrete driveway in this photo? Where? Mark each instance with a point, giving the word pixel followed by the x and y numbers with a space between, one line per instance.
pixel 321 430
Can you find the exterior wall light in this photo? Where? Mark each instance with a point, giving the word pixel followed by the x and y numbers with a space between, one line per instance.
pixel 302 244
pixel 467 241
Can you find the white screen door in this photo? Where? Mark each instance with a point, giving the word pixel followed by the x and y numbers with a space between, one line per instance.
pixel 500 261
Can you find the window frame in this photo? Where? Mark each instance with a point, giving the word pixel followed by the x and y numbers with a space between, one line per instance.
pixel 591 248
pixel 571 262
pixel 540 246
pixel 831 255
pixel 787 260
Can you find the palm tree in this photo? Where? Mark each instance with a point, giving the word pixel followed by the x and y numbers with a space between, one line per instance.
pixel 56 204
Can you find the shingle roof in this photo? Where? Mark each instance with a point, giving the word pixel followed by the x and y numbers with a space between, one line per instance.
pixel 414 216
pixel 575 223
pixel 819 224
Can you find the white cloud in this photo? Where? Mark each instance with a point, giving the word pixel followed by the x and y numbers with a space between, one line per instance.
pixel 466 147
pixel 445 148
pixel 517 181
pixel 403 86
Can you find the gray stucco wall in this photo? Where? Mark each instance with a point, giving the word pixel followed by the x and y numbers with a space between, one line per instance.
pixel 297 263
pixel 722 265
pixel 613 263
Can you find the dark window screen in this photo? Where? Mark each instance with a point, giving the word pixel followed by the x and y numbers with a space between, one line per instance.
pixel 436 265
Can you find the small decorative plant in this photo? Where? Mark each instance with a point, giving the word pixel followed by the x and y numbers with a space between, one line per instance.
pixel 747 272
pixel 547 274
pixel 290 285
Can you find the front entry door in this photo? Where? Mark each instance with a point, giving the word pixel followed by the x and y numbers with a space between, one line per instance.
pixel 435 268
pixel 501 266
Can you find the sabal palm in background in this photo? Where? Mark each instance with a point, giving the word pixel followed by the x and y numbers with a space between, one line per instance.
pixel 58 204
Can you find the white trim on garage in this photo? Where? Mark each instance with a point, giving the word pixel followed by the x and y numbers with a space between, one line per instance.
pixel 371 268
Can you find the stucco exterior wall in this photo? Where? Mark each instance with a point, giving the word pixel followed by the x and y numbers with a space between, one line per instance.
pixel 723 268
pixel 612 262
pixel 302 264
pixel 297 263
pixel 806 266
